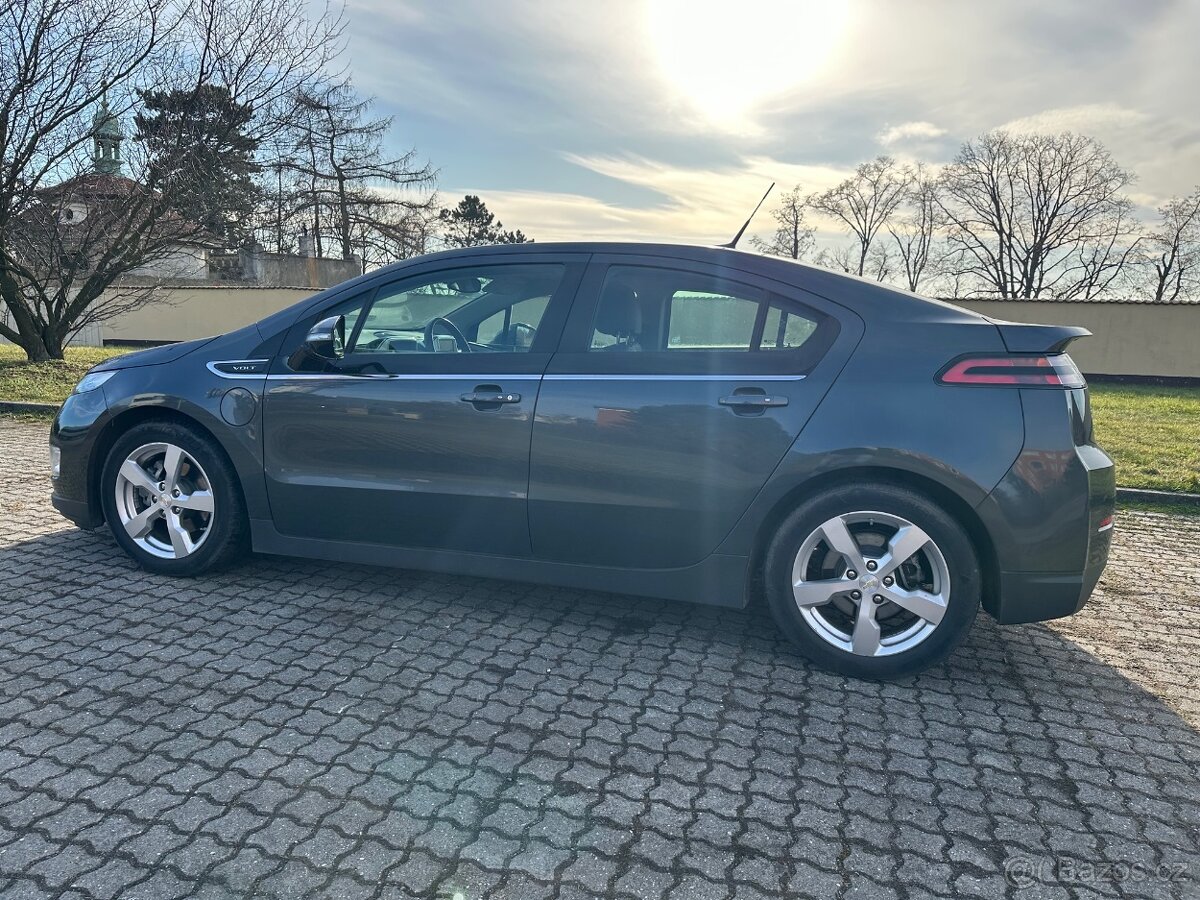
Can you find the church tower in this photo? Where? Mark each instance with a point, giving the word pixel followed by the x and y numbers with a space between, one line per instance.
pixel 106 137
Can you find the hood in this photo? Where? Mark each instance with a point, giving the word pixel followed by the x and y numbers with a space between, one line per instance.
pixel 152 356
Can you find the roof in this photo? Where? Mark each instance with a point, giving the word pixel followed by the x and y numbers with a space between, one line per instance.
pixel 100 187
pixel 869 297
pixel 782 267
pixel 208 284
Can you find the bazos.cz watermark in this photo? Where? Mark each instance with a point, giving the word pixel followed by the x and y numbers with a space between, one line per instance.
pixel 1026 871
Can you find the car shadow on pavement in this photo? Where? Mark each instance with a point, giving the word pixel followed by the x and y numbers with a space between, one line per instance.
pixel 347 726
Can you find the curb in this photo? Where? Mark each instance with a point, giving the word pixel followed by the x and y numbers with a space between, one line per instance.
pixel 17 406
pixel 1159 498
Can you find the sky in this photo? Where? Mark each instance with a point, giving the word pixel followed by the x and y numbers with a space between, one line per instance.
pixel 667 119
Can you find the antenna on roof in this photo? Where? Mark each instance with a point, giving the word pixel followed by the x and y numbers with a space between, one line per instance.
pixel 737 237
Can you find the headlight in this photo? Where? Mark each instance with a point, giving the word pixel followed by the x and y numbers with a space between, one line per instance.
pixel 55 461
pixel 93 380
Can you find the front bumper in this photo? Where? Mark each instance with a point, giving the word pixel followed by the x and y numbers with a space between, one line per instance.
pixel 74 433
pixel 78 511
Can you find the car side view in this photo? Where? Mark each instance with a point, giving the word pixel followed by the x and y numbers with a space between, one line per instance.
pixel 682 422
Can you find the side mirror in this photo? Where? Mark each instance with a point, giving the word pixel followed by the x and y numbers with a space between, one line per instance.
pixel 324 344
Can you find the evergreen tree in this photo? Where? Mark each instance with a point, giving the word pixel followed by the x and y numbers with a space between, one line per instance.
pixel 472 224
pixel 202 157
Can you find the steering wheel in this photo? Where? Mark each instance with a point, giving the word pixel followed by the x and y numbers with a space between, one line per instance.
pixel 459 338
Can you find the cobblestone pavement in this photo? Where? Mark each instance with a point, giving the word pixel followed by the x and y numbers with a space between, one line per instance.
pixel 291 729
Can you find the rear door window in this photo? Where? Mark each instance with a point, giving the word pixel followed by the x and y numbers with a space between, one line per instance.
pixel 674 312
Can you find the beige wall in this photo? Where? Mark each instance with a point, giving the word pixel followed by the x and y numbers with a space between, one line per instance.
pixel 187 313
pixel 1127 338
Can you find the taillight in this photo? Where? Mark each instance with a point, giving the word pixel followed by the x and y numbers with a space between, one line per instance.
pixel 1057 371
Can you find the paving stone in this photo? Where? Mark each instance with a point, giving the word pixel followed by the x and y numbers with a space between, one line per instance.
pixel 296 729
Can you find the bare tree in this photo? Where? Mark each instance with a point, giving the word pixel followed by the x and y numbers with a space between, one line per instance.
pixel 866 201
pixel 841 258
pixel 1105 260
pixel 881 262
pixel 1037 215
pixel 793 237
pixel 915 233
pixel 1173 249
pixel 72 225
pixel 397 233
pixel 347 184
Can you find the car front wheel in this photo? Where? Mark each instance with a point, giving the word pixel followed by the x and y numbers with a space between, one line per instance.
pixel 172 501
pixel 873 581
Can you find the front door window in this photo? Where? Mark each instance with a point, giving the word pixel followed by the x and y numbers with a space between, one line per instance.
pixel 487 309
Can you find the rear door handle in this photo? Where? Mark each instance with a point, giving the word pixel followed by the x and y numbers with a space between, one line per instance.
pixel 758 401
pixel 490 397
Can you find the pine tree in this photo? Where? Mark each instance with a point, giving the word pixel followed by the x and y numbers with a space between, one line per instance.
pixel 202 157
pixel 472 224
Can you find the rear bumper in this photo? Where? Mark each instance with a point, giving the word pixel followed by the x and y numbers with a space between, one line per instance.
pixel 1037 596
pixel 1051 526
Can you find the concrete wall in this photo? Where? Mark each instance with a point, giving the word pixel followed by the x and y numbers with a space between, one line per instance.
pixel 1127 338
pixel 270 268
pixel 258 268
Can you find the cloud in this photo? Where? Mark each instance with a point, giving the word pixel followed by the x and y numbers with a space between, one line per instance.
pixel 1086 119
pixel 564 115
pixel 703 205
pixel 1161 149
pixel 922 131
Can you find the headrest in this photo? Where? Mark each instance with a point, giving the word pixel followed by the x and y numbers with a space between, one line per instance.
pixel 620 314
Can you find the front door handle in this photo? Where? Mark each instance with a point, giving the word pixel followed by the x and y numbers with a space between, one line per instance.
pixel 756 401
pixel 489 396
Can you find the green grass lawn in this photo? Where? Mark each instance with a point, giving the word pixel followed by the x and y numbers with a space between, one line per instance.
pixel 48 382
pixel 1152 432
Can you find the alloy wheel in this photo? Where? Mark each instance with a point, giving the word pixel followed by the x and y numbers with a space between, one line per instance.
pixel 871 583
pixel 164 500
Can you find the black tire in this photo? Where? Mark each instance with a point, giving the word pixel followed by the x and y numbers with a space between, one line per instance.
pixel 956 548
pixel 228 536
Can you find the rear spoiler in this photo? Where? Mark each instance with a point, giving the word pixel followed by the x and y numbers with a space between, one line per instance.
pixel 1019 337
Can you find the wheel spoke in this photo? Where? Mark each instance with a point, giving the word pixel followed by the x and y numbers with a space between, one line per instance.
pixel 904 543
pixel 842 541
pixel 172 463
pixel 200 501
pixel 814 593
pixel 138 477
pixel 865 640
pixel 181 541
pixel 924 605
pixel 141 524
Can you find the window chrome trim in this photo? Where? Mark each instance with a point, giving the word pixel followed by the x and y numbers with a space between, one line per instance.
pixel 467 376
pixel 719 376
pixel 402 376
pixel 212 367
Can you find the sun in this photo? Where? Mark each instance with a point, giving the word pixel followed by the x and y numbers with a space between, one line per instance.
pixel 726 58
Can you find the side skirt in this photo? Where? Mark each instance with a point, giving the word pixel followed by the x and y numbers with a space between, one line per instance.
pixel 719 580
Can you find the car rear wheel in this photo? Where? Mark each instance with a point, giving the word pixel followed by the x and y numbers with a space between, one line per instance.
pixel 172 501
pixel 873 581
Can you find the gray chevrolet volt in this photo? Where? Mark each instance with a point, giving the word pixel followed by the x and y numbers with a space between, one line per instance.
pixel 682 422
